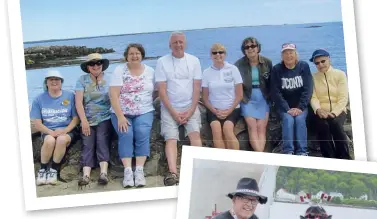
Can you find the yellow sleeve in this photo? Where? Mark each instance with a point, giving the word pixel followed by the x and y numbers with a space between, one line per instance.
pixel 342 95
pixel 314 102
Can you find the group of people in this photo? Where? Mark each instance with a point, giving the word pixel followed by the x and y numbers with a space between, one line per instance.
pixel 124 100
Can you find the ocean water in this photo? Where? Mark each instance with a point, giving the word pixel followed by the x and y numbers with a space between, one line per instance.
pixel 199 42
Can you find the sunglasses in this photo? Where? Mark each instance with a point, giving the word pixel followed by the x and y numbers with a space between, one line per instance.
pixel 317 63
pixel 218 52
pixel 251 46
pixel 93 63
pixel 285 45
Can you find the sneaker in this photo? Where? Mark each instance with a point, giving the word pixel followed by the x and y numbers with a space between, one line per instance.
pixel 103 180
pixel 128 180
pixel 52 177
pixel 42 177
pixel 139 178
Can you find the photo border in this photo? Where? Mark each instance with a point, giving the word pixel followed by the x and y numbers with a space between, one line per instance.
pixel 32 202
pixel 24 132
pixel 189 154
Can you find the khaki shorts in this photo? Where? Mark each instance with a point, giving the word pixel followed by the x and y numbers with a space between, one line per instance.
pixel 169 127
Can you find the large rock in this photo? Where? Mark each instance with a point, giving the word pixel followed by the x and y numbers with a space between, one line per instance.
pixel 157 163
pixel 47 56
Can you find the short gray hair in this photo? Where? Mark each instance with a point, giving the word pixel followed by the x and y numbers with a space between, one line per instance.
pixel 176 33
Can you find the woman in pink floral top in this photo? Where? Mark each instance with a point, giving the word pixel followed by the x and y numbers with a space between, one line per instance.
pixel 131 96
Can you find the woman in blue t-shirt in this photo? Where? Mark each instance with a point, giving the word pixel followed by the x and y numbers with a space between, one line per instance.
pixel 53 113
pixel 292 88
pixel 93 108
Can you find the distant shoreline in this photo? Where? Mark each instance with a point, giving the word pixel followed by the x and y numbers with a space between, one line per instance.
pixel 328 204
pixel 188 30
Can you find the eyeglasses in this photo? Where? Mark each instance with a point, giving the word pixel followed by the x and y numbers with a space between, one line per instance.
pixel 245 200
pixel 291 45
pixel 251 46
pixel 317 63
pixel 218 52
pixel 93 63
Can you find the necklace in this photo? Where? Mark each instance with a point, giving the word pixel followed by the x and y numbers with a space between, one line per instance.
pixel 172 60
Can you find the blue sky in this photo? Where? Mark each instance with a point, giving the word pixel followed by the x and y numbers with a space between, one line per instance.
pixel 62 19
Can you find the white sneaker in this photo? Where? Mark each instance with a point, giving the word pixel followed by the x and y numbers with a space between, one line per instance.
pixel 42 177
pixel 139 178
pixel 52 177
pixel 128 180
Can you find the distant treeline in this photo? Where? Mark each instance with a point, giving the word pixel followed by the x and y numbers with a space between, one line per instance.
pixel 350 185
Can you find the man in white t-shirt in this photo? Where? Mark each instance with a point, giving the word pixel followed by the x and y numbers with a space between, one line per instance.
pixel 179 80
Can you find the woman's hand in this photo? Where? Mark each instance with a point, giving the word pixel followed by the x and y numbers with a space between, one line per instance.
pixel 294 112
pixel 59 132
pixel 123 124
pixel 222 114
pixel 85 127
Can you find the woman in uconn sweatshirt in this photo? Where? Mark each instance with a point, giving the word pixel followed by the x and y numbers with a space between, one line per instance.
pixel 291 89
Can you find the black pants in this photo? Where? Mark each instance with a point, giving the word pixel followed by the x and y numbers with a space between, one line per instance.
pixel 333 140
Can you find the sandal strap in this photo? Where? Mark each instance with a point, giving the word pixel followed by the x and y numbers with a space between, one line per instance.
pixel 170 176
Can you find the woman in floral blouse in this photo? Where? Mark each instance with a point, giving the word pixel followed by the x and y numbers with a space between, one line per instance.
pixel 131 96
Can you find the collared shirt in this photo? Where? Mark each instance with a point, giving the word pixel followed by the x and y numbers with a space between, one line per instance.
pixel 221 84
pixel 330 91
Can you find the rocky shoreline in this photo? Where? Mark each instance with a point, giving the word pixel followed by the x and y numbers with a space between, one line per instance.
pixel 156 164
pixel 53 56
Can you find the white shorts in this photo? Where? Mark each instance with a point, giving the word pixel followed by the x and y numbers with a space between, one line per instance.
pixel 169 127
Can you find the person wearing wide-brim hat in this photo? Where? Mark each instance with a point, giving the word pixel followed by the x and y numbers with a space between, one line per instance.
pixel 316 212
pixel 329 103
pixel 54 115
pixel 94 58
pixel 245 200
pixel 93 108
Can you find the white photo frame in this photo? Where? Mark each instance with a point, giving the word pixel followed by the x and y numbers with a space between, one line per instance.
pixel 234 157
pixel 24 133
pixel 32 202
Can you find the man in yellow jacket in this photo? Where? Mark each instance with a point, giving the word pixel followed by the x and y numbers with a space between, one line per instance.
pixel 329 101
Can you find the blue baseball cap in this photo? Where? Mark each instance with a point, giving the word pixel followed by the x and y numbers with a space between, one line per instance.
pixel 318 53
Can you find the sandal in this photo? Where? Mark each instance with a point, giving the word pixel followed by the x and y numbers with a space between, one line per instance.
pixel 171 179
pixel 83 181
pixel 103 180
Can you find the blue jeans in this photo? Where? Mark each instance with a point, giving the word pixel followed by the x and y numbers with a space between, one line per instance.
pixel 139 130
pixel 294 126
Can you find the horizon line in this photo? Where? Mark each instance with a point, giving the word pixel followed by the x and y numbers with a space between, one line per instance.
pixel 187 30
